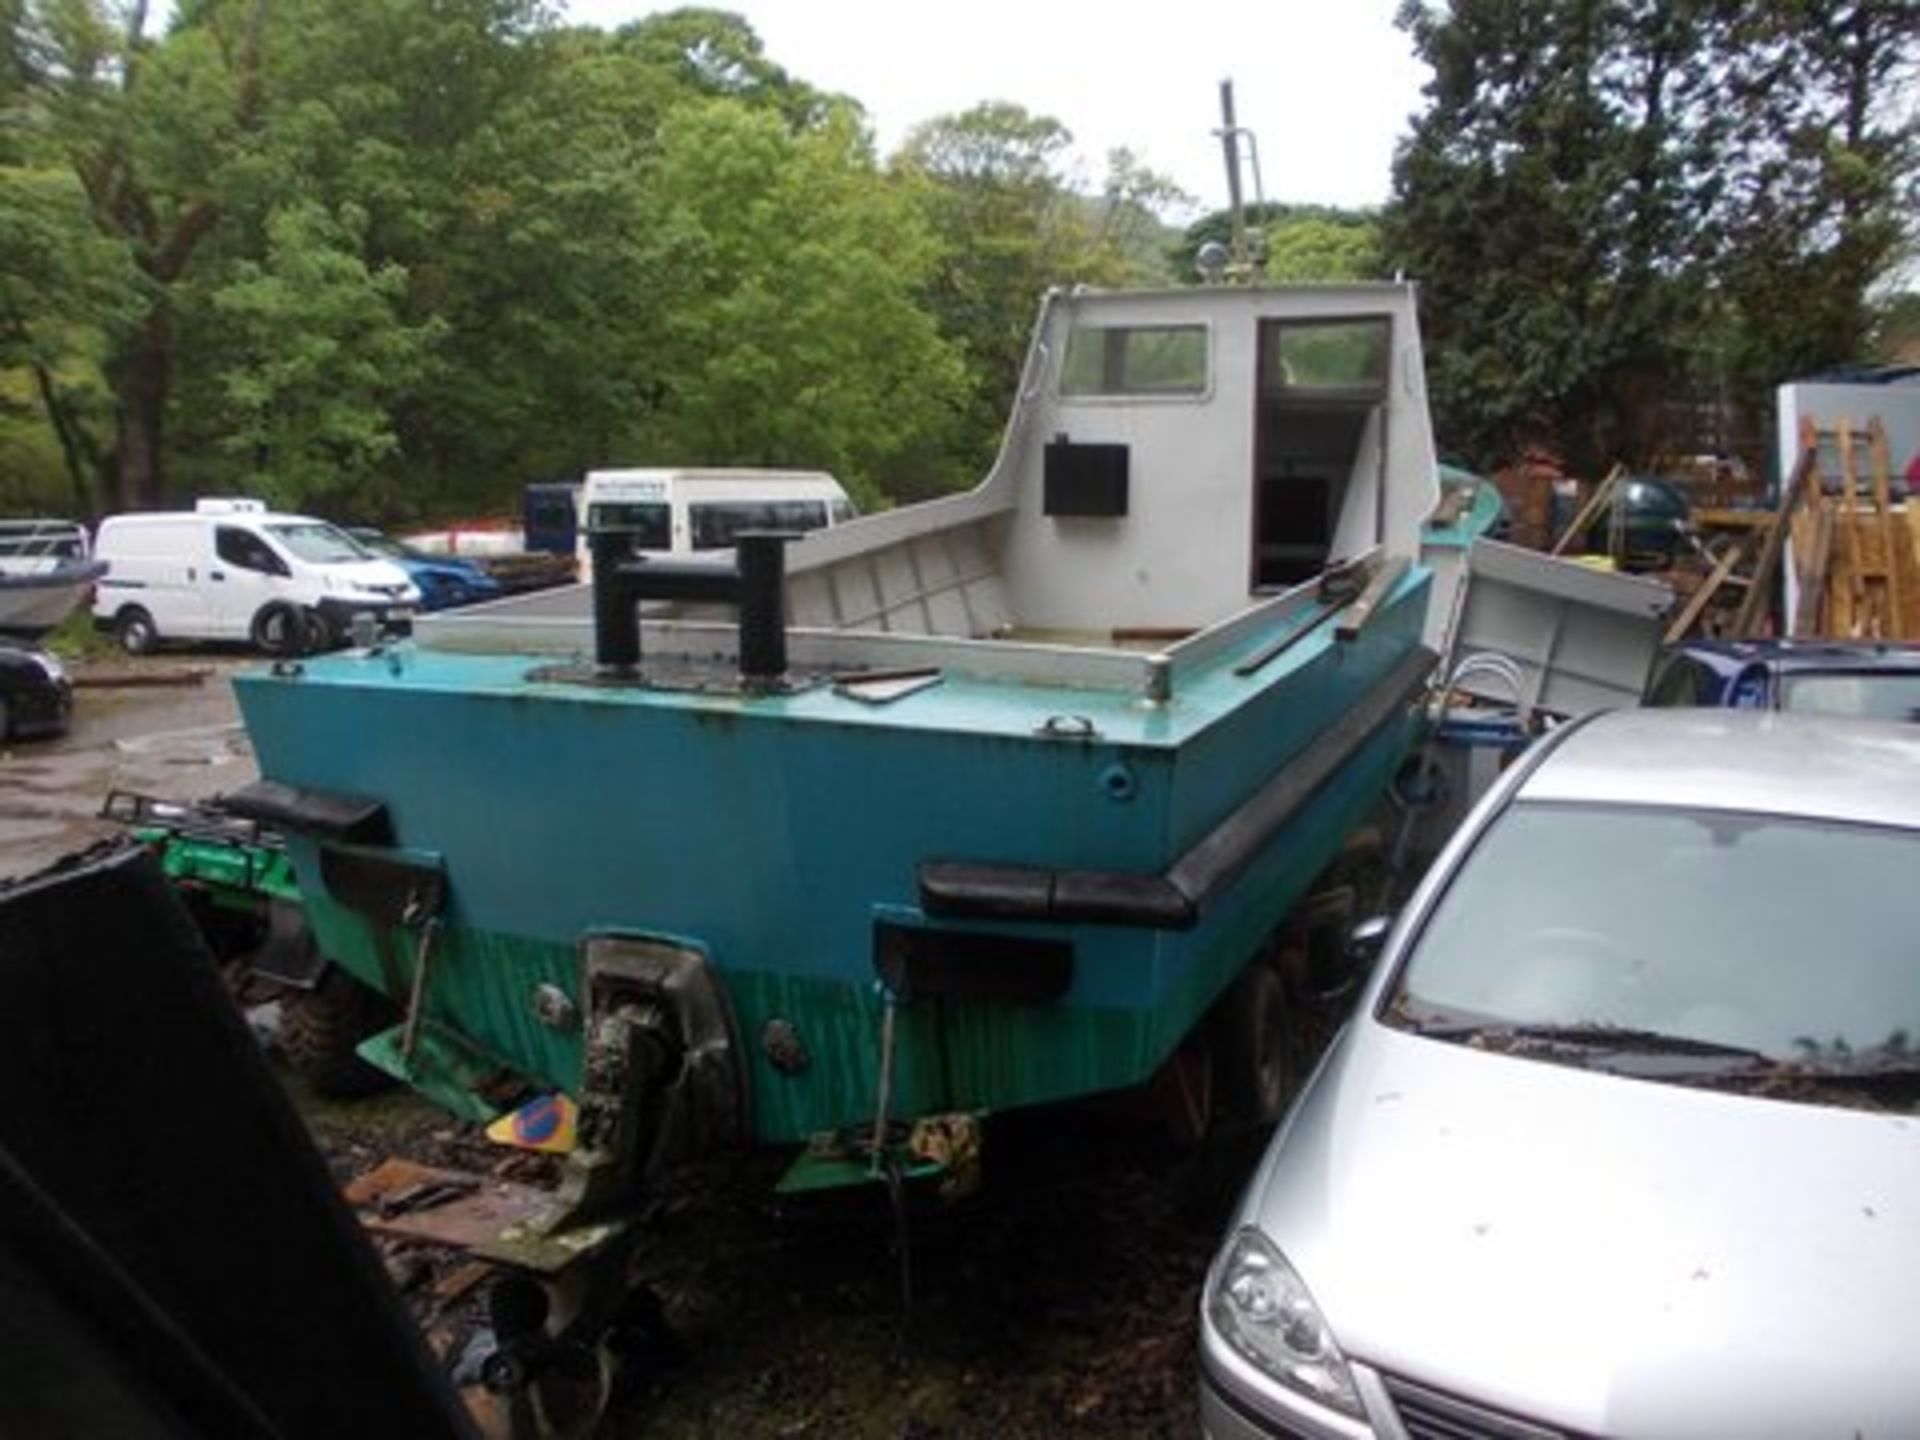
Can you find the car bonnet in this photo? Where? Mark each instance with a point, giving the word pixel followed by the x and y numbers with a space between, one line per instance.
pixel 1605 1254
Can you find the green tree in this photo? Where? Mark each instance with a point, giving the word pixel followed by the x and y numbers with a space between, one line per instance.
pixel 1823 199
pixel 1629 214
pixel 63 289
pixel 144 130
pixel 716 53
pixel 1313 248
pixel 791 332
pixel 316 351
pixel 992 182
pixel 1297 243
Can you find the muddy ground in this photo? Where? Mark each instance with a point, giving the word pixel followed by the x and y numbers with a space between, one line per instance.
pixel 1059 1300
pixel 164 726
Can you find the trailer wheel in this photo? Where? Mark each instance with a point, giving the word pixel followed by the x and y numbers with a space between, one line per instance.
pixel 1251 1033
pixel 320 1029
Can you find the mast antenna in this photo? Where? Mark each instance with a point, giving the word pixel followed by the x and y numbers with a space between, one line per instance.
pixel 1246 255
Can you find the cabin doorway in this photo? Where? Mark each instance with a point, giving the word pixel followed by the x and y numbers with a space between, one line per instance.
pixel 1320 444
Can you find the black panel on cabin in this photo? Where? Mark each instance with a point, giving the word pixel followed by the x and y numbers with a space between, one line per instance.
pixel 1085 479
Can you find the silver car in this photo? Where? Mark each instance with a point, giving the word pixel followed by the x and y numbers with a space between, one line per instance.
pixel 1622 1138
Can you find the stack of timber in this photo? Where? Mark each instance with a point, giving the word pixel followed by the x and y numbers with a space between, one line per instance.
pixel 1836 556
pixel 1856 545
pixel 1743 549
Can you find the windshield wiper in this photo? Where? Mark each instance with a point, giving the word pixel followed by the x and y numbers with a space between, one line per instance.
pixel 1844 1069
pixel 1584 1037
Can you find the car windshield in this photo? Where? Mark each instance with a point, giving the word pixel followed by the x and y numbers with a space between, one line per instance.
pixel 319 542
pixel 1871 694
pixel 1676 931
pixel 382 545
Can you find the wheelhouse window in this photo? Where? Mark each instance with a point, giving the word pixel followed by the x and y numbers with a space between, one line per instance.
pixel 1328 355
pixel 715 524
pixel 1135 360
pixel 650 523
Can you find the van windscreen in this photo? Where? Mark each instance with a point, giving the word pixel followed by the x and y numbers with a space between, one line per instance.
pixel 650 523
pixel 319 542
pixel 716 523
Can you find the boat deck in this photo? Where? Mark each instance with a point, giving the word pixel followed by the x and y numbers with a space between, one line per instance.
pixel 1015 687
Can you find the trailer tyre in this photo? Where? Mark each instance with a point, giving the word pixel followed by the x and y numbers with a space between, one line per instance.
pixel 321 1028
pixel 1251 1033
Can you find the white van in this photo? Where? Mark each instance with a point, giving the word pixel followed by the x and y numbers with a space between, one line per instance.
pixel 234 570
pixel 676 512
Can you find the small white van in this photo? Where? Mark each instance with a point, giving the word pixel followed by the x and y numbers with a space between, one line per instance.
pixel 676 512
pixel 234 570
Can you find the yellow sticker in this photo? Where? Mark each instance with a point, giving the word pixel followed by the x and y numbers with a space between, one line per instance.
pixel 546 1124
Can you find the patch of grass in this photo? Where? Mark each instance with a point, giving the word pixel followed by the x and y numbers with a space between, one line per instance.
pixel 76 639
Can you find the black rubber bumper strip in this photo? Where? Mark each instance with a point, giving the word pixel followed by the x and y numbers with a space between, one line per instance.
pixel 1174 898
pixel 324 814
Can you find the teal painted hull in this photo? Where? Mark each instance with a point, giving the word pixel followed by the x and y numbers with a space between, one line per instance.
pixel 772 832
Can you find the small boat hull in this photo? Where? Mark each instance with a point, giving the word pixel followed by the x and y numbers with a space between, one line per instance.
pixel 785 838
pixel 980 803
pixel 35 602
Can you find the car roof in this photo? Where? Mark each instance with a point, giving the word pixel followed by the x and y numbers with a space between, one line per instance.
pixel 1792 656
pixel 1772 762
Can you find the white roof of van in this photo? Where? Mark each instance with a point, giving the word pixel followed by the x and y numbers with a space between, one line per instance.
pixel 667 473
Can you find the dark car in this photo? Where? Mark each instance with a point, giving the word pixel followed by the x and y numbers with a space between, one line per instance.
pixel 443 580
pixel 36 698
pixel 1829 677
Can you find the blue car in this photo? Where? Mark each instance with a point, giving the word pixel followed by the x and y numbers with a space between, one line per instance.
pixel 1861 678
pixel 444 580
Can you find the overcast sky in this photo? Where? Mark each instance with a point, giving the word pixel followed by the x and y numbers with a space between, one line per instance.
pixel 1326 85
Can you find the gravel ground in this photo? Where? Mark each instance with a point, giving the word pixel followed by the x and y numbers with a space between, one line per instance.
pixel 1059 1300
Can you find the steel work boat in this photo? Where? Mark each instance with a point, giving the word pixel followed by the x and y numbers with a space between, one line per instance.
pixel 975 804
pixel 46 570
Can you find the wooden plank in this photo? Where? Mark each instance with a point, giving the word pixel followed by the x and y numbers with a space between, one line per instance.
pixel 1808 614
pixel 1909 514
pixel 1896 613
pixel 1709 518
pixel 1588 511
pixel 1774 538
pixel 1688 617
pixel 1856 543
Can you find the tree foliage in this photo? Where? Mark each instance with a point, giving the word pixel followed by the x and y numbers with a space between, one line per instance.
pixel 1295 244
pixel 993 185
pixel 1628 214
pixel 316 350
pixel 391 258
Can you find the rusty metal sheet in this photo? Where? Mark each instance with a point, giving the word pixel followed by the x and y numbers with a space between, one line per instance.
pixel 441 1207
